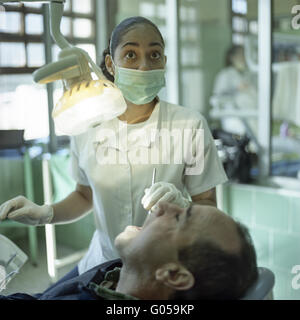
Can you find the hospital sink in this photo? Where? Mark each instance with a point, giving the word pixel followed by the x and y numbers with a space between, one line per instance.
pixel 280 182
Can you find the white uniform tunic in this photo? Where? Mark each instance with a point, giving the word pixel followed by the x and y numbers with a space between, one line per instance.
pixel 119 187
pixel 236 90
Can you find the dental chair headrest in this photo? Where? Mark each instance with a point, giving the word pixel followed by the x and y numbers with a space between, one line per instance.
pixel 262 286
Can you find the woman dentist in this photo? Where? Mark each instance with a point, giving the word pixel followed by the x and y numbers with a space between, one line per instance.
pixel 109 178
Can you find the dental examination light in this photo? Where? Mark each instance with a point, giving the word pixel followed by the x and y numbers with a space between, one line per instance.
pixel 85 102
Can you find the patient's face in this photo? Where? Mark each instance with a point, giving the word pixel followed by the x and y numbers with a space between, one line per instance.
pixel 170 229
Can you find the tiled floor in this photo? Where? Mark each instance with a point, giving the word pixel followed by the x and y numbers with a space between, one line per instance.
pixel 35 279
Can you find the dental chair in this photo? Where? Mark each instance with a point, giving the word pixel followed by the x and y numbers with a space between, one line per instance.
pixel 262 289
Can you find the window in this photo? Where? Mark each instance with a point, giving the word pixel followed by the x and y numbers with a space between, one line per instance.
pixel 35 54
pixel 10 22
pixel 239 6
pixel 147 9
pixel 23 104
pixel 34 24
pixel 190 53
pixel 83 28
pixel 155 10
pixel 239 11
pixel 85 6
pixel 12 54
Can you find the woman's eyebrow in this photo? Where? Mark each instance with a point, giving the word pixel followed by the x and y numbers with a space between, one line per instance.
pixel 135 44
pixel 152 44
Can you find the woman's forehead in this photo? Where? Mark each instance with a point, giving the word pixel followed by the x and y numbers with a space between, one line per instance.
pixel 141 33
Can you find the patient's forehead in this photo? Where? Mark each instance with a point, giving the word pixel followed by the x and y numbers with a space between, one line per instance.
pixel 216 226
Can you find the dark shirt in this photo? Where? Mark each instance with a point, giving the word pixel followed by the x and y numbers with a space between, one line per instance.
pixel 97 283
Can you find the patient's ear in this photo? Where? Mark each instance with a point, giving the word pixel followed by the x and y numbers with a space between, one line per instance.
pixel 175 276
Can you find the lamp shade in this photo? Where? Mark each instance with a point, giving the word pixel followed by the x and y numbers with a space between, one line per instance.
pixel 87 104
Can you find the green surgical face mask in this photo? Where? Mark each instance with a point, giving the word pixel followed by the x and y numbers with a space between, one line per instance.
pixel 139 87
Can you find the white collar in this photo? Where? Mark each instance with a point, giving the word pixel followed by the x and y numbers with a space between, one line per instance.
pixel 144 134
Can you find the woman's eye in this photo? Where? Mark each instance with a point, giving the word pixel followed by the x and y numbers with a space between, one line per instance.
pixel 130 55
pixel 155 55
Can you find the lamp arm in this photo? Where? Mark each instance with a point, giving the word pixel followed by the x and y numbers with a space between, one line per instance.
pixel 94 67
pixel 56 13
pixel 45 74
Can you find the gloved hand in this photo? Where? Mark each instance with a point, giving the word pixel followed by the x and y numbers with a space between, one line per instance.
pixel 25 211
pixel 163 191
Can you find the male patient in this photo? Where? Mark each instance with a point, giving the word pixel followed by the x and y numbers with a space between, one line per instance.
pixel 194 253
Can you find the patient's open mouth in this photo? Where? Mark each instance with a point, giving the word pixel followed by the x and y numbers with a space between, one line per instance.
pixel 137 228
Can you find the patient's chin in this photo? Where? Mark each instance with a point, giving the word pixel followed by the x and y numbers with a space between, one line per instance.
pixel 126 236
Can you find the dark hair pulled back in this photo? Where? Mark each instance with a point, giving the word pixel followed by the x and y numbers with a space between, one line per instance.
pixel 230 53
pixel 120 30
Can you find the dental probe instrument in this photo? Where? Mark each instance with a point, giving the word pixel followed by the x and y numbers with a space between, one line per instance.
pixel 153 181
